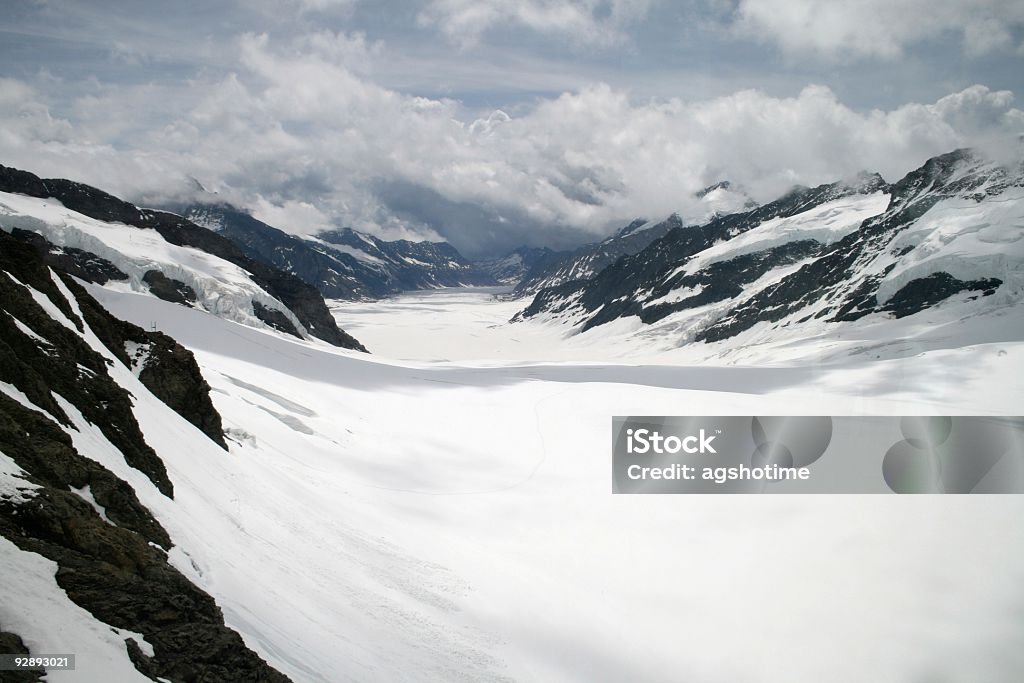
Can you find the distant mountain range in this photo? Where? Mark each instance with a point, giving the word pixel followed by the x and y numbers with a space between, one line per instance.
pixel 949 230
pixel 522 264
pixel 342 264
pixel 590 259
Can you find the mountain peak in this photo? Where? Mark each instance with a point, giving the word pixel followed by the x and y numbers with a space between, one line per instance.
pixel 720 185
pixel 632 227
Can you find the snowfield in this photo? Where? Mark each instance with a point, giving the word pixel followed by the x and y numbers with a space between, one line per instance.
pixel 221 287
pixel 449 516
pixel 826 224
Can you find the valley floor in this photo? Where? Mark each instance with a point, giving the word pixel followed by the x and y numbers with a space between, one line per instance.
pixel 442 509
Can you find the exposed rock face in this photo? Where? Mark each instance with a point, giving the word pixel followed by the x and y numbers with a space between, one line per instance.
pixel 342 264
pixel 117 571
pixel 81 264
pixel 722 280
pixel 302 299
pixel 109 548
pixel 63 363
pixel 11 644
pixel 276 319
pixel 168 369
pixel 163 287
pixel 921 293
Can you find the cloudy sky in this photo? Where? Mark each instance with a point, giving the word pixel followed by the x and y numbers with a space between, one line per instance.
pixel 494 123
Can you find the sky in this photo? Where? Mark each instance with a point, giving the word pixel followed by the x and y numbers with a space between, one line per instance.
pixel 496 123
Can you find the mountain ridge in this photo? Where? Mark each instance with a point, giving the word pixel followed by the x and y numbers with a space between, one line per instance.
pixel 590 259
pixel 303 306
pixel 342 264
pixel 834 253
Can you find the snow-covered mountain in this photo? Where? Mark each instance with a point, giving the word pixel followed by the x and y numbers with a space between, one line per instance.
pixel 590 259
pixel 950 230
pixel 521 263
pixel 84 549
pixel 161 253
pixel 342 264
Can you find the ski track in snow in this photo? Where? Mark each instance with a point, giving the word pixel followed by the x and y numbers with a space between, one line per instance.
pixel 450 515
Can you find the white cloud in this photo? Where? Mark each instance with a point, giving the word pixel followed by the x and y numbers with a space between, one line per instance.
pixel 878 28
pixel 307 142
pixel 588 22
pixel 292 216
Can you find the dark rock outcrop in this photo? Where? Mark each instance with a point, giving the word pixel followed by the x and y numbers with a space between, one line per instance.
pixel 82 264
pixel 590 259
pixel 50 358
pixel 110 550
pixel 117 570
pixel 722 280
pixel 276 319
pixel 164 366
pixel 168 289
pixel 925 292
pixel 11 643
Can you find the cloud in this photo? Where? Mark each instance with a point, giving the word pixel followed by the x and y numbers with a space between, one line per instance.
pixel 291 216
pixel 585 22
pixel 880 29
pixel 301 135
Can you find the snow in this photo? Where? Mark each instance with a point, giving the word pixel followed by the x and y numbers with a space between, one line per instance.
pixel 48 306
pixel 27 331
pixel 346 249
pixel 14 488
pixel 85 493
pixel 646 225
pixel 826 224
pixel 16 394
pixel 450 516
pixel 221 287
pixel 677 294
pixel 966 239
pixel 138 354
pixel 33 606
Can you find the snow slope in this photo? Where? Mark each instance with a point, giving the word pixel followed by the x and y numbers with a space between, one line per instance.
pixel 37 609
pixel 419 521
pixel 825 224
pixel 221 287
pixel 965 238
pixel 342 264
pixel 932 261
